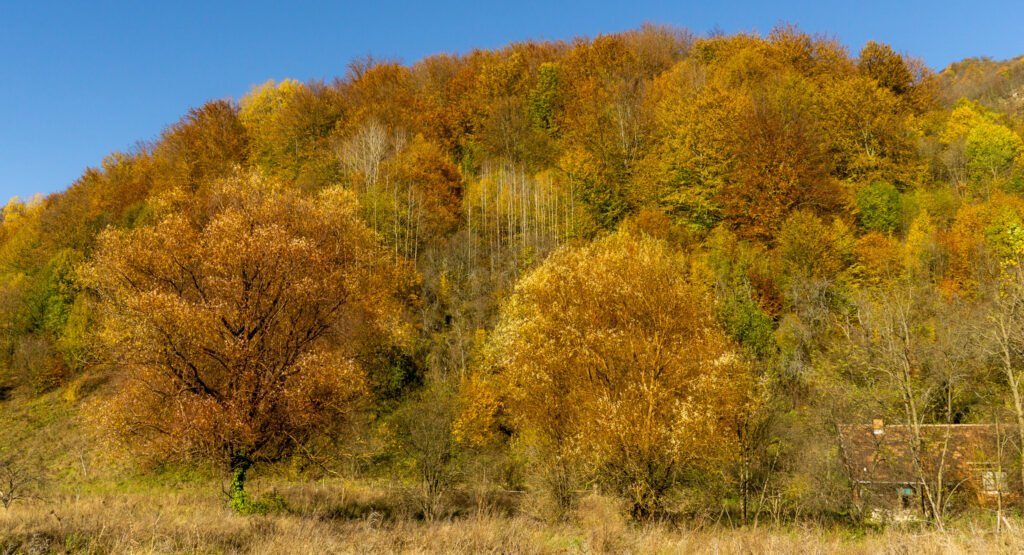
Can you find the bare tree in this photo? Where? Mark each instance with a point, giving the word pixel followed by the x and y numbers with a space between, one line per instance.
pixel 914 352
pixel 1004 334
pixel 365 151
pixel 17 482
pixel 423 430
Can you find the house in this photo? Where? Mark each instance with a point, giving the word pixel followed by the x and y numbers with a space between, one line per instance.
pixel 977 461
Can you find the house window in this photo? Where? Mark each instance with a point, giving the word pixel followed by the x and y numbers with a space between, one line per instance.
pixel 993 481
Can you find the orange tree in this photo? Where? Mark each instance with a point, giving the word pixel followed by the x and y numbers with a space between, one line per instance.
pixel 236 326
pixel 615 370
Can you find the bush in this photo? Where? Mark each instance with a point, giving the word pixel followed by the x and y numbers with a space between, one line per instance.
pixel 423 430
pixel 745 322
pixel 38 365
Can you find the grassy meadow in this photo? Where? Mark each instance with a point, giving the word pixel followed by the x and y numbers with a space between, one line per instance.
pixel 88 501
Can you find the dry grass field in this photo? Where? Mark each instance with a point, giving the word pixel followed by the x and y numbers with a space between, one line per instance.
pixel 346 517
pixel 89 502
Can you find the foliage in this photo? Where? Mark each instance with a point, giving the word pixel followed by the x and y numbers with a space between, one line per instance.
pixel 423 429
pixel 749 326
pixel 545 99
pixel 615 367
pixel 878 206
pixel 991 149
pixel 238 334
pixel 662 265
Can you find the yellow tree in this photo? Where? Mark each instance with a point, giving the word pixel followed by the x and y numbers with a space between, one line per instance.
pixel 605 127
pixel 236 332
pixel 694 159
pixel 616 370
pixel 261 114
pixel 908 78
pixel 867 130
pixel 1004 314
pixel 290 130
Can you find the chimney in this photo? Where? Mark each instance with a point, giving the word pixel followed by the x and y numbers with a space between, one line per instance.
pixel 878 426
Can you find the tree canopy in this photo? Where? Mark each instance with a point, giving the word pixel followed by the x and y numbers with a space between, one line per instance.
pixel 238 330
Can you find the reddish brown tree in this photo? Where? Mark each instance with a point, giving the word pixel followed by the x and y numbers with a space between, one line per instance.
pixel 237 333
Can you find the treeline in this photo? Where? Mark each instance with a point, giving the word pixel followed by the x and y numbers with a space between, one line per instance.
pixel 662 265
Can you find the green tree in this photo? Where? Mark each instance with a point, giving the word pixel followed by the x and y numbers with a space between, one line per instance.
pixel 991 150
pixel 878 207
pixel 546 98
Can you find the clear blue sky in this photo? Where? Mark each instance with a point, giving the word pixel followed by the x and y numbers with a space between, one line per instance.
pixel 82 79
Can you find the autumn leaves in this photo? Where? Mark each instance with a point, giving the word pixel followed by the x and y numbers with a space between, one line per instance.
pixel 612 363
pixel 236 328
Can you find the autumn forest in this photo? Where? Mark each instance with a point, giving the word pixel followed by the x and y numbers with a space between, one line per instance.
pixel 652 278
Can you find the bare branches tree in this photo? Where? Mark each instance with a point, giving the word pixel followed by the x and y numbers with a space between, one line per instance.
pixel 913 351
pixel 1003 331
pixel 17 482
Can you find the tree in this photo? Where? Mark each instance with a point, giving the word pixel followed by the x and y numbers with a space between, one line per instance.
pixel 290 128
pixel 436 185
pixel 605 127
pixel 978 149
pixel 912 351
pixel 364 152
pixel 616 368
pixel 237 332
pixel 418 201
pixel 17 482
pixel 881 63
pixel 206 144
pixel 1003 331
pixel 781 164
pixel 991 150
pixel 867 132
pixel 546 100
pixel 423 434
pixel 693 162
pixel 261 114
pixel 879 207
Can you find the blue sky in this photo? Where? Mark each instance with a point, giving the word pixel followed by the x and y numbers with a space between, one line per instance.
pixel 83 79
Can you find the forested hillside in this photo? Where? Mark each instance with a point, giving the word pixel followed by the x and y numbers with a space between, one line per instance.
pixel 662 267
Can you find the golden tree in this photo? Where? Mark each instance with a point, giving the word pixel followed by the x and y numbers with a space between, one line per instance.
pixel 616 369
pixel 236 327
